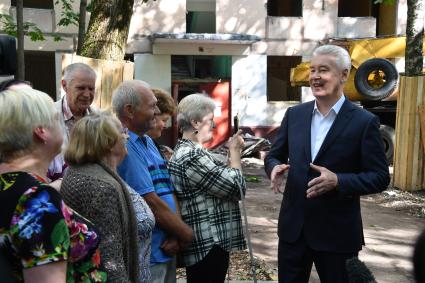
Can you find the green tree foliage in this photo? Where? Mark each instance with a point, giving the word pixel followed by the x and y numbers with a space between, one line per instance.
pixel 68 17
pixel 30 29
pixel 385 2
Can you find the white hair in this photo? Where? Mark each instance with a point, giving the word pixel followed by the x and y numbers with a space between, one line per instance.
pixel 127 93
pixel 21 111
pixel 342 58
pixel 193 107
pixel 70 70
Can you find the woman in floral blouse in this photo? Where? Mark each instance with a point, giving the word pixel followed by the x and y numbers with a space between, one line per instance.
pixel 41 239
pixel 208 192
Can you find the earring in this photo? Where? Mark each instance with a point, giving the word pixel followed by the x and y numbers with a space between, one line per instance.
pixel 195 132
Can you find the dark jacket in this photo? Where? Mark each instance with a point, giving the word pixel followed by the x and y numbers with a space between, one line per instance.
pixel 352 149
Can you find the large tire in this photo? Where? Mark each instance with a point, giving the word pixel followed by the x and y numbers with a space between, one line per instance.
pixel 390 80
pixel 388 138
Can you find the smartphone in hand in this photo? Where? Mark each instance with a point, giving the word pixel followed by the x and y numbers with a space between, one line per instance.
pixel 235 124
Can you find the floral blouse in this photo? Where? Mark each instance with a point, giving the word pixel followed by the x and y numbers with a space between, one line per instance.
pixel 145 225
pixel 37 228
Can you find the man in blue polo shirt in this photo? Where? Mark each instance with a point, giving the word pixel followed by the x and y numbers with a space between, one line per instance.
pixel 146 172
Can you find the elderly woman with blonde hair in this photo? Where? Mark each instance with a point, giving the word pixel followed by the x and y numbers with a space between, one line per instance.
pixel 41 238
pixel 92 187
pixel 208 192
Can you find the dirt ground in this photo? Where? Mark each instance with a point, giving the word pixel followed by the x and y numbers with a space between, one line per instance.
pixel 392 221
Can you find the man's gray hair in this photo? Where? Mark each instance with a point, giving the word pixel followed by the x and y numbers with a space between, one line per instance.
pixel 193 107
pixel 342 58
pixel 127 93
pixel 70 70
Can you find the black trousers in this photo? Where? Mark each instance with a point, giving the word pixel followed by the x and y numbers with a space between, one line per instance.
pixel 211 269
pixel 296 259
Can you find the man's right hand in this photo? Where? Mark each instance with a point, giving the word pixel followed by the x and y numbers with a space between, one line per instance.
pixel 276 177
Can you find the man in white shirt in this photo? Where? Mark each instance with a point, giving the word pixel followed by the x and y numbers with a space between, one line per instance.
pixel 333 153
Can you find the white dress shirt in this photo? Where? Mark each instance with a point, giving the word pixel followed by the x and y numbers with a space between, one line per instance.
pixel 320 125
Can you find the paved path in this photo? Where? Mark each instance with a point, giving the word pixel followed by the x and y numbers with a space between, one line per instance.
pixel 389 235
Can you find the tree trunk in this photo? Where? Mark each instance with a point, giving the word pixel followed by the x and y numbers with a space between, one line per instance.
pixel 81 25
pixel 107 32
pixel 414 37
pixel 20 74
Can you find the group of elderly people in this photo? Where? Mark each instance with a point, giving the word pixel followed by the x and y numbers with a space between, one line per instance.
pixel 87 196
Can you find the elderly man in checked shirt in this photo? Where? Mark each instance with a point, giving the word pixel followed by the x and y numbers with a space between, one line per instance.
pixel 208 192
pixel 78 82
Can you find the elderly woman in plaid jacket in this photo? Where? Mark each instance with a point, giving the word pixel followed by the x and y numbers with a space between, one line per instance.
pixel 208 192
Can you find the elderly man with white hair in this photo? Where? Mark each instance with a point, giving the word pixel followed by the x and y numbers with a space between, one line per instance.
pixel 146 172
pixel 78 82
pixel 334 154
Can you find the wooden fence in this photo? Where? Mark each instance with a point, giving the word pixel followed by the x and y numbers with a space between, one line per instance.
pixel 409 158
pixel 109 75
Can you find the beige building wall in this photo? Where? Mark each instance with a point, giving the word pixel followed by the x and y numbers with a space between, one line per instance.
pixel 158 16
pixel 241 16
pixel 153 69
pixel 281 36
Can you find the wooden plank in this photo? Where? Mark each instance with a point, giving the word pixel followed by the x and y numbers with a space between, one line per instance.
pixel 399 163
pixel 109 75
pixel 409 160
pixel 409 125
pixel 415 135
pixel 421 109
pixel 112 77
pixel 128 71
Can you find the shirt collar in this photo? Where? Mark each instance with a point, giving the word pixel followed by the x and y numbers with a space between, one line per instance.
pixel 336 108
pixel 133 137
pixel 67 113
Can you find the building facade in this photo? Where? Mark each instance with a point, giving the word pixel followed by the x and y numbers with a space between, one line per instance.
pixel 238 51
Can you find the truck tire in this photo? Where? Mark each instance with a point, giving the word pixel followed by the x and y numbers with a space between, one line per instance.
pixel 388 138
pixel 389 79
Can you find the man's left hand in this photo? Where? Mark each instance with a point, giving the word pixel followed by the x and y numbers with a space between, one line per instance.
pixel 326 182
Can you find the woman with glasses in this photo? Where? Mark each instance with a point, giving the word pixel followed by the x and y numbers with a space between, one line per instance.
pixel 93 188
pixel 208 192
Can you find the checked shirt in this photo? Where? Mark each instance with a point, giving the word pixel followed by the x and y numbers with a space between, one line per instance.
pixel 208 192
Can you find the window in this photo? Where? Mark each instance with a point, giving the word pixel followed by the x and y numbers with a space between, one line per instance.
pixel 45 80
pixel 200 22
pixel 38 4
pixel 278 84
pixel 200 16
pixel 360 8
pixel 285 8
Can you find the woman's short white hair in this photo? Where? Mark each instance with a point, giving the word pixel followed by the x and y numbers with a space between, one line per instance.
pixel 342 58
pixel 193 107
pixel 127 93
pixel 21 111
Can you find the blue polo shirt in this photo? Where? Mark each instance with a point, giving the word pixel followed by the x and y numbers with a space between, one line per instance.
pixel 146 171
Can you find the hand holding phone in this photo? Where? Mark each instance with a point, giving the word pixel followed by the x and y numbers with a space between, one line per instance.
pixel 235 124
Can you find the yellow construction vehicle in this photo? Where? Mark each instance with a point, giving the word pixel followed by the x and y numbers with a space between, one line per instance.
pixel 373 79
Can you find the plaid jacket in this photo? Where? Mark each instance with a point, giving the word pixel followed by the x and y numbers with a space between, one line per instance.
pixel 208 192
